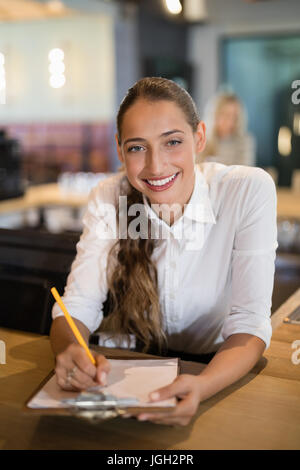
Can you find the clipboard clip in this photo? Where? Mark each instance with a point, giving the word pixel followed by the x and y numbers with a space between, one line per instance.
pixel 98 406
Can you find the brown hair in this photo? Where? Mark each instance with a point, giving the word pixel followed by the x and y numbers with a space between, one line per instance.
pixel 132 275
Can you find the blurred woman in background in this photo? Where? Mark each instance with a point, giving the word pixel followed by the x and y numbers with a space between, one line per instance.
pixel 228 140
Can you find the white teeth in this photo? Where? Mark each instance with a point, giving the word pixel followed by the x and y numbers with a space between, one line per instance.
pixel 161 182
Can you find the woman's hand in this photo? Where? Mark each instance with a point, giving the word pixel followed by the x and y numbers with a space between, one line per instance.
pixel 74 370
pixel 185 387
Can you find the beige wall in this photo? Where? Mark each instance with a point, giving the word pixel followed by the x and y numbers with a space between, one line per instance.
pixel 89 92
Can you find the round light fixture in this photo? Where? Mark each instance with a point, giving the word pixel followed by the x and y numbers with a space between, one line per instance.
pixel 173 6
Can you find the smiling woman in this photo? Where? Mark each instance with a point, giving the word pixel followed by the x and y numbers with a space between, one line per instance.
pixel 204 290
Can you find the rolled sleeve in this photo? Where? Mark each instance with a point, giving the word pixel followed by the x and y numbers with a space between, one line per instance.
pixel 86 287
pixel 253 260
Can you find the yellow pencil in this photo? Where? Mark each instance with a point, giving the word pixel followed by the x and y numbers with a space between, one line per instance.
pixel 72 324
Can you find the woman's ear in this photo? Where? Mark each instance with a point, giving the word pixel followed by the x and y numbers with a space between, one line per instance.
pixel 200 137
pixel 120 155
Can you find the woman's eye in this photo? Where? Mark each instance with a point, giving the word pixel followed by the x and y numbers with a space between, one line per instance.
pixel 173 142
pixel 135 148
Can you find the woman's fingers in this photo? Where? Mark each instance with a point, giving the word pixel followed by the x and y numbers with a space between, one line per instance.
pixel 75 371
pixel 178 388
pixel 182 413
pixel 83 362
pixel 102 369
pixel 71 377
pixel 185 387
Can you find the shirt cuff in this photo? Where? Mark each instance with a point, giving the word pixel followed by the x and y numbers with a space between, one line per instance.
pixel 91 318
pixel 250 323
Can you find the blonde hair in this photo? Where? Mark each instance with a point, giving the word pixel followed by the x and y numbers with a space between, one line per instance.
pixel 212 110
pixel 132 275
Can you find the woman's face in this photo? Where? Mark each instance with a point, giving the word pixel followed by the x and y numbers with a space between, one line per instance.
pixel 158 148
pixel 227 119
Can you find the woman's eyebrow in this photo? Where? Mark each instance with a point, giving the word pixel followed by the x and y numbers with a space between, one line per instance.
pixel 134 139
pixel 165 134
pixel 140 139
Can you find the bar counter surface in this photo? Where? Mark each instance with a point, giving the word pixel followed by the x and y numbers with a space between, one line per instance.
pixel 260 411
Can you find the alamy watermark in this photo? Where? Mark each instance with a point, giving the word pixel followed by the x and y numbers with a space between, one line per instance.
pixel 133 221
pixel 296 354
pixel 296 93
pixel 2 352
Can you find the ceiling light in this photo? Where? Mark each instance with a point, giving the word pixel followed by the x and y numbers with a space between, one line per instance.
pixel 173 6
pixel 56 55
pixel 57 81
pixel 56 67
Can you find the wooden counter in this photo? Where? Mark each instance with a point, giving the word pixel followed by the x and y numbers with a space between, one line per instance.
pixel 288 204
pixel 260 411
pixel 42 196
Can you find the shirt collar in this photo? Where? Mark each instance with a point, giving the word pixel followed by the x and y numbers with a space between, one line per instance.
pixel 199 207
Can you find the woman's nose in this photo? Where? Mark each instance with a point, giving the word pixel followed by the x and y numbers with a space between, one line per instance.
pixel 154 163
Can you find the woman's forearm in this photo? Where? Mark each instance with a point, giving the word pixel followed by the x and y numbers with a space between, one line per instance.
pixel 236 357
pixel 61 335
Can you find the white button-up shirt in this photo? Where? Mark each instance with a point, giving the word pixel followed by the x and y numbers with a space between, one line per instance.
pixel 215 264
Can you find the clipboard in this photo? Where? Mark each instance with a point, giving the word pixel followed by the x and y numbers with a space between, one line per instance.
pixel 104 409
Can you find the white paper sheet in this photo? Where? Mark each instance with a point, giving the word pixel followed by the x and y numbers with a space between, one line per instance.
pixel 127 378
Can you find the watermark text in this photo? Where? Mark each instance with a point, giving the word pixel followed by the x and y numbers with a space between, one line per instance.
pixel 133 221
pixel 2 352
pixel 296 93
pixel 296 354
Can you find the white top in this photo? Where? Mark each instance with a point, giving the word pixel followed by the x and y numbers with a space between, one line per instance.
pixel 214 282
pixel 240 150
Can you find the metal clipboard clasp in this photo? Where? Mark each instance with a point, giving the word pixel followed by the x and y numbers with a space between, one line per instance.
pixel 97 405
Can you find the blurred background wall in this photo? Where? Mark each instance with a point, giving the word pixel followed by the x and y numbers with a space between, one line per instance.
pixel 88 93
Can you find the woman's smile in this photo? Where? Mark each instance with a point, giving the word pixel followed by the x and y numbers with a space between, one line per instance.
pixel 161 183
